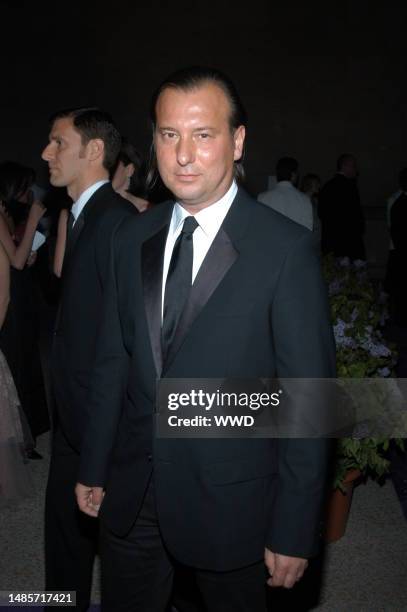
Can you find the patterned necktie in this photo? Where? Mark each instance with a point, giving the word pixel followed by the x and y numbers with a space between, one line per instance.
pixel 179 282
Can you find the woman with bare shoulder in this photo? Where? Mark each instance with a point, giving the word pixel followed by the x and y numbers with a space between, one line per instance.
pixel 15 437
pixel 127 179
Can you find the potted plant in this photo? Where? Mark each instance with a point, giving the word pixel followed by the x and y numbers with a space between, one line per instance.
pixel 357 314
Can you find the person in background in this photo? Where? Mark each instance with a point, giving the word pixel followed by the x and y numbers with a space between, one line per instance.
pixel 127 179
pixel 341 214
pixel 15 183
pixel 398 232
pixel 311 186
pixel 397 210
pixel 285 198
pixel 15 436
pixel 126 182
pixel 83 147
pixel 392 280
pixel 19 338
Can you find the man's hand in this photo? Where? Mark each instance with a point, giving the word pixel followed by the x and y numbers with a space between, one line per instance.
pixel 284 571
pixel 89 498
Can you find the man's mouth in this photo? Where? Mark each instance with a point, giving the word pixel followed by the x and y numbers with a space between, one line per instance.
pixel 186 177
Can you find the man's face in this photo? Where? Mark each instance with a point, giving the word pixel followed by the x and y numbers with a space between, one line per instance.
pixel 351 168
pixel 65 154
pixel 194 144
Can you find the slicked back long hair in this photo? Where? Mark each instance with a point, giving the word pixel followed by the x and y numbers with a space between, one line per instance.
pixel 188 79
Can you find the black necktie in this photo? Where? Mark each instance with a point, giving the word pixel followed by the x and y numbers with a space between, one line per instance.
pixel 71 221
pixel 179 281
pixel 73 229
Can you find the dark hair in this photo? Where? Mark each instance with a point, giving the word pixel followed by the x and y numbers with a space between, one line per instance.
pixel 91 123
pixel 15 179
pixel 191 78
pixel 308 180
pixel 403 179
pixel 129 155
pixel 285 168
pixel 343 159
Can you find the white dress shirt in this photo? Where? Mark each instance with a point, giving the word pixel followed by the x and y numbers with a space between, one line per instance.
pixel 289 201
pixel 83 199
pixel 209 221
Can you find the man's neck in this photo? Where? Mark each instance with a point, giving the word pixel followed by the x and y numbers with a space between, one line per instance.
pixel 76 189
pixel 193 209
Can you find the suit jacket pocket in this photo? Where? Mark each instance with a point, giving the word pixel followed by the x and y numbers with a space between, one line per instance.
pixel 241 470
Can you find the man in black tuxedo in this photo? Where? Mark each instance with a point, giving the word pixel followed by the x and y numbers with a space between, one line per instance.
pixel 82 150
pixel 398 231
pixel 229 508
pixel 341 213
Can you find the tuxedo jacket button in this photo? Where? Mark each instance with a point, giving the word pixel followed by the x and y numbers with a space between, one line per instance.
pixel 149 457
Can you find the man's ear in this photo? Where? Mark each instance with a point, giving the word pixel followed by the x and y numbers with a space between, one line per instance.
pixel 238 137
pixel 95 149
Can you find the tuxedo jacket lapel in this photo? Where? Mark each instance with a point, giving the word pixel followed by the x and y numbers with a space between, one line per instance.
pixel 90 209
pixel 222 254
pixel 73 237
pixel 152 258
pixel 220 257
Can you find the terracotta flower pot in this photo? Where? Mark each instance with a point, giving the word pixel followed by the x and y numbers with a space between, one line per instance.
pixel 338 508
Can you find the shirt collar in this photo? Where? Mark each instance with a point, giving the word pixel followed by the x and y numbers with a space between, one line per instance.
pixel 285 184
pixel 209 219
pixel 85 196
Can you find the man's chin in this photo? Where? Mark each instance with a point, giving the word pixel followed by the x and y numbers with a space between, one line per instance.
pixel 56 182
pixel 186 193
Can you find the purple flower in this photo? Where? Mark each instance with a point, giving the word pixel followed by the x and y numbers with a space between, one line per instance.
pixel 354 315
pixel 335 287
pixel 341 338
pixel 383 372
pixel 376 349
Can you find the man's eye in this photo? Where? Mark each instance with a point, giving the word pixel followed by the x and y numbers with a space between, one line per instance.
pixel 169 135
pixel 203 135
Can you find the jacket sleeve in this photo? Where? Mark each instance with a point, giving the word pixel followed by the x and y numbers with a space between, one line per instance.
pixel 110 372
pixel 305 348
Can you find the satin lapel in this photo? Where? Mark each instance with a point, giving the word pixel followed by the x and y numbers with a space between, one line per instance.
pixel 220 257
pixel 152 257
pixel 91 209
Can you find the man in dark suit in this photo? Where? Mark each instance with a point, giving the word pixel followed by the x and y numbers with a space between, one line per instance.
pixel 228 508
pixel 82 150
pixel 398 231
pixel 341 213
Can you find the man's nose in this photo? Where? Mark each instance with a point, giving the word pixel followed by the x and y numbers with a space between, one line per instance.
pixel 47 153
pixel 185 151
